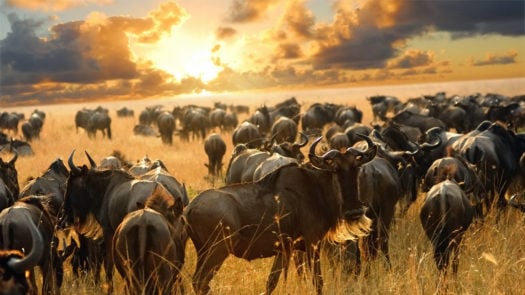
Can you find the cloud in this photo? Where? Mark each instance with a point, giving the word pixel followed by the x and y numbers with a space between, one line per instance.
pixel 244 11
pixel 369 36
pixel 90 52
pixel 53 5
pixel 299 19
pixel 412 58
pixel 222 33
pixel 508 57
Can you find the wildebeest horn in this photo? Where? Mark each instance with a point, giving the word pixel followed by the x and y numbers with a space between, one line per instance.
pixel 304 138
pixel 91 161
pixel 20 265
pixel 428 145
pixel 72 166
pixel 369 142
pixel 13 160
pixel 311 152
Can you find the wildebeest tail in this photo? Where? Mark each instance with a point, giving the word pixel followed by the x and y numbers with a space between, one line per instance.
pixel 109 131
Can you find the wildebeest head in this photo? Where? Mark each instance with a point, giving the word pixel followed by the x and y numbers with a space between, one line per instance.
pixel 345 165
pixel 13 264
pixel 10 176
pixel 78 201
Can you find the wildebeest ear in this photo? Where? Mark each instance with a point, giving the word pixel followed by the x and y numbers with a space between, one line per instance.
pixel 140 205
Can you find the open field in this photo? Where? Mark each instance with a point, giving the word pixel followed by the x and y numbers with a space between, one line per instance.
pixel 492 254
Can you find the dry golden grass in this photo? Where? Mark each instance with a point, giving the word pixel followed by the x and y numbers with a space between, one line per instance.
pixel 492 254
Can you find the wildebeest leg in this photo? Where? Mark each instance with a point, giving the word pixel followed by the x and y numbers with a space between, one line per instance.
pixel 280 263
pixel 108 262
pixel 314 256
pixel 442 254
pixel 300 263
pixel 208 262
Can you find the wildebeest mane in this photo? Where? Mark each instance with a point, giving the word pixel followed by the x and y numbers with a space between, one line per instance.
pixel 162 202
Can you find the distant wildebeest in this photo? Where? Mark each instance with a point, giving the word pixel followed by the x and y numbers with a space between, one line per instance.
pixel 99 121
pixel 17 227
pixel 33 126
pixel 293 208
pixel 215 148
pixel 445 216
pixel 125 112
pixel 195 123
pixel 148 246
pixel 97 200
pixel 14 264
pixel 284 129
pixel 9 121
pixel 166 125
pixel 416 120
pixel 247 133
pixel 244 161
pixel 145 130
pixel 317 116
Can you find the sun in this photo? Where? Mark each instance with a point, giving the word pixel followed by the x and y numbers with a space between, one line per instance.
pixel 185 56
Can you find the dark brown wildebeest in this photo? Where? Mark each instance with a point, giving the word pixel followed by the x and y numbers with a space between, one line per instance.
pixel 244 161
pixel 166 125
pixel 9 175
pixel 445 216
pixel 148 247
pixel 247 133
pixel 284 129
pixel 97 200
pixel 293 208
pixel 14 265
pixel 215 148
pixel 17 226
pixel 380 189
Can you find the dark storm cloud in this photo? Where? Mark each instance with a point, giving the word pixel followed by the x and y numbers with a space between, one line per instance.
pixel 368 37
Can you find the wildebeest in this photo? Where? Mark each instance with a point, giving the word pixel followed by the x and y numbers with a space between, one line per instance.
pixel 380 189
pixel 17 225
pixel 215 148
pixel 292 208
pixel 51 183
pixel 445 216
pixel 9 121
pixel 148 247
pixel 9 175
pixel 317 116
pixel 125 112
pixel 495 151
pixel 99 121
pixel 96 201
pixel 166 125
pixel 416 120
pixel 14 264
pixel 247 133
pixel 284 129
pixel 244 160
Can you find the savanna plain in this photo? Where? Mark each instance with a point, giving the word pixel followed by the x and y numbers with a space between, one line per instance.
pixel 492 256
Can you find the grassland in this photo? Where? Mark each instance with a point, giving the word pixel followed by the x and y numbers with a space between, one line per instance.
pixel 492 254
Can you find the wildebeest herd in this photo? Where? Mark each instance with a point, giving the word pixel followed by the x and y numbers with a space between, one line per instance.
pixel 298 181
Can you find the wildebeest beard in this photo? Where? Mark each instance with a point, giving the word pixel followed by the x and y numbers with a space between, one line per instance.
pixel 90 227
pixel 344 229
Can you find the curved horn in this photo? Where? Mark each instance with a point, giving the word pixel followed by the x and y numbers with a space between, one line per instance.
pixel 13 160
pixel 72 166
pixel 369 142
pixel 91 161
pixel 304 138
pixel 20 265
pixel 428 145
pixel 311 152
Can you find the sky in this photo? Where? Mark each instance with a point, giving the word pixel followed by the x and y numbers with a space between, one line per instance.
pixel 74 50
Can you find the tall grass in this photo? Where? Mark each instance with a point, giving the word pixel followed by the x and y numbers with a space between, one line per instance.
pixel 492 253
